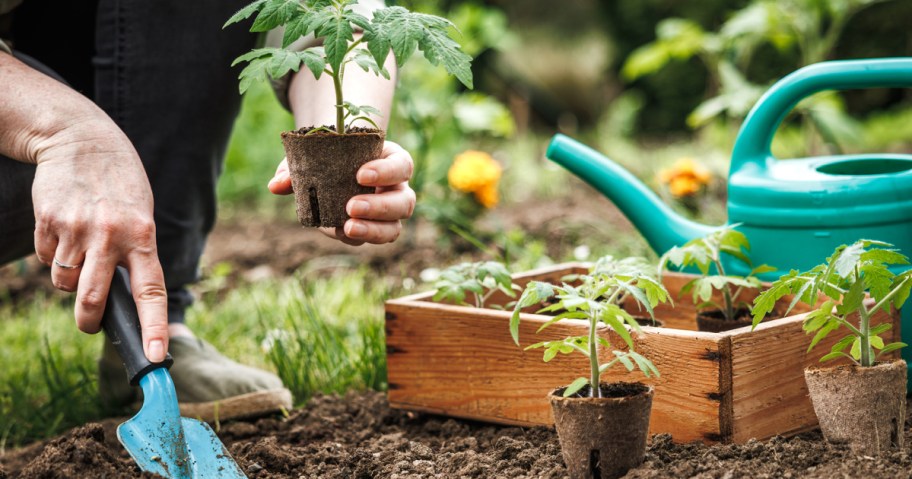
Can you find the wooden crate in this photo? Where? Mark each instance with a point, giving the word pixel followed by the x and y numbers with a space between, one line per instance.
pixel 715 387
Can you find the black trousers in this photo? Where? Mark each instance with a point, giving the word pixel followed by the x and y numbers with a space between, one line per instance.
pixel 161 70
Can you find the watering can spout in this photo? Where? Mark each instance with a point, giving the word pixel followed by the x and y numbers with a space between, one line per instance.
pixel 662 227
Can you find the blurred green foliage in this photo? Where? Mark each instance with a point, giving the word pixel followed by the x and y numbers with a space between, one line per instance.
pixel 730 50
pixel 811 28
pixel 435 118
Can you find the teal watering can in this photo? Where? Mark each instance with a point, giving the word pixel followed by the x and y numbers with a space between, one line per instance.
pixel 794 212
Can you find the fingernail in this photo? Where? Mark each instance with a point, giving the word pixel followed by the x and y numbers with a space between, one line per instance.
pixel 358 207
pixel 366 177
pixel 355 229
pixel 156 351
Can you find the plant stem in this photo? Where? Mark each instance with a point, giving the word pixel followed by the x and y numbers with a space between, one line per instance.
pixel 340 110
pixel 866 360
pixel 729 310
pixel 595 391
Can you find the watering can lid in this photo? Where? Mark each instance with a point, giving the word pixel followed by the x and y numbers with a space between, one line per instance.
pixel 828 191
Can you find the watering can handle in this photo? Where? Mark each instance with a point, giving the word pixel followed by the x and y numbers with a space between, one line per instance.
pixel 756 135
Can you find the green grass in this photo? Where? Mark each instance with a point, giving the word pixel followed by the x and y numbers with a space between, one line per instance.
pixel 320 333
pixel 48 381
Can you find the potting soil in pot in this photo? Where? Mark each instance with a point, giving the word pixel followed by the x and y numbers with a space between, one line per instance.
pixel 359 436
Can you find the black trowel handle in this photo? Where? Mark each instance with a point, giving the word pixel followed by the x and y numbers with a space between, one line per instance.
pixel 121 324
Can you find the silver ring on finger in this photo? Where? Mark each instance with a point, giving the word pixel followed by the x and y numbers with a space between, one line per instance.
pixel 66 266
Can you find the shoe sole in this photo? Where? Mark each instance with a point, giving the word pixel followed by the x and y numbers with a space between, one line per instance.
pixel 245 406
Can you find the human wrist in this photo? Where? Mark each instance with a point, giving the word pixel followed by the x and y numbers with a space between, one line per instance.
pixel 90 134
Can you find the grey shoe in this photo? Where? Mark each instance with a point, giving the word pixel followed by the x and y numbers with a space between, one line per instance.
pixel 209 386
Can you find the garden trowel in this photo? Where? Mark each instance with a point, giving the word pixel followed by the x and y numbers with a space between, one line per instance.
pixel 157 438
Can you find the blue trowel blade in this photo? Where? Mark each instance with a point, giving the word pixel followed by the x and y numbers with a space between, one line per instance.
pixel 161 441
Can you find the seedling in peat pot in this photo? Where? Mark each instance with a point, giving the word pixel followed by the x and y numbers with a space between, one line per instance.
pixel 476 282
pixel 603 430
pixel 318 156
pixel 863 404
pixel 706 254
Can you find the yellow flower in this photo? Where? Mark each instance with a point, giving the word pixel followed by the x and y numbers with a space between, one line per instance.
pixel 686 177
pixel 474 170
pixel 683 186
pixel 487 195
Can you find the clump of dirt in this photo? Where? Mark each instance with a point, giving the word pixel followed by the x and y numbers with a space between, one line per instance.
pixel 82 452
pixel 359 436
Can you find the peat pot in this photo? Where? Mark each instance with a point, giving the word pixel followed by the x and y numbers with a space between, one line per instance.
pixel 323 167
pixel 863 407
pixel 603 437
pixel 713 321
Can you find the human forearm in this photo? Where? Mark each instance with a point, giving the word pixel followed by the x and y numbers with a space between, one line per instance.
pixel 41 114
pixel 92 201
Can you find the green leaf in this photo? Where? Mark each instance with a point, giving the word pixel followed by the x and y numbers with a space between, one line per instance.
pixel 881 328
pixel 273 14
pixel 298 26
pixel 567 315
pixel 638 294
pixel 551 352
pixel 885 256
pixel 644 364
pixel 876 342
pixel 835 355
pixel 611 319
pixel 367 63
pixel 283 61
pixel 535 292
pixel 891 347
pixel 902 294
pixel 852 299
pixel 313 60
pixel 823 332
pixel 405 32
pixel 848 258
pixel 843 343
pixel 400 30
pixel 762 269
pixel 856 349
pixel 624 359
pixel 265 63
pixel 575 386
pixel 514 326
pixel 766 301
pixel 245 12
pixel 337 33
pixel 359 20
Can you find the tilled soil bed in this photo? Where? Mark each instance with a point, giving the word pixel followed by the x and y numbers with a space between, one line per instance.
pixel 360 436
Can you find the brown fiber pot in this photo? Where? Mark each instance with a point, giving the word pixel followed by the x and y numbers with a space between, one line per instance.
pixel 714 321
pixel 864 407
pixel 323 167
pixel 603 437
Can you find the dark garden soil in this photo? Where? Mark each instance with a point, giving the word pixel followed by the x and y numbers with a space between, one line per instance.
pixel 360 436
